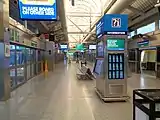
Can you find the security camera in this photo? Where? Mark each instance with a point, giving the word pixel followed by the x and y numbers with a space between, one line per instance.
pixel 7 29
pixel 158 4
pixel 15 1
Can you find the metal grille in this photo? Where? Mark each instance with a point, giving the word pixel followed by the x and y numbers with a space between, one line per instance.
pixel 127 11
pixel 144 5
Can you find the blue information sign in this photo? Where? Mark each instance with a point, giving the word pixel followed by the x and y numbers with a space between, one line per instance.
pixel 38 9
pixel 112 23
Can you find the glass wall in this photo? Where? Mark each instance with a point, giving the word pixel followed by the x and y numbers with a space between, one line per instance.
pixel 25 63
pixel 146 29
pixel 12 55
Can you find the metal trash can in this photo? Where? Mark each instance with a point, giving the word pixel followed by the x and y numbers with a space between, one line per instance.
pixel 146 104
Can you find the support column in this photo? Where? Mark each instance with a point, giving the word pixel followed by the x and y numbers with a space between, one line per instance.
pixel 25 24
pixel 37 31
pixel 4 51
pixel 157 22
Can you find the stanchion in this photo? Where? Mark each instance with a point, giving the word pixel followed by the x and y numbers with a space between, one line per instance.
pixel 46 69
pixel 42 70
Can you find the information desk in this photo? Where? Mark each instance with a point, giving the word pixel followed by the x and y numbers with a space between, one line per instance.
pixel 148 101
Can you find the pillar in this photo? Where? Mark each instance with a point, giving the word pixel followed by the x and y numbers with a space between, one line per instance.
pixel 4 51
pixel 26 24
pixel 157 22
pixel 36 31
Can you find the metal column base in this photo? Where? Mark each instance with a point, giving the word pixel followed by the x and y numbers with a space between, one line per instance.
pixel 109 99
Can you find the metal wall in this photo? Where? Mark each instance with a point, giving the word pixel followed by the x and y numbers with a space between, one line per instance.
pixel 132 44
pixel 50 55
pixel 4 42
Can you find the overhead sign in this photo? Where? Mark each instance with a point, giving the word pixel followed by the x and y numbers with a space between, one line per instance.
pixel 143 43
pixel 99 27
pixel 116 33
pixel 38 9
pixel 115 44
pixel 80 47
pixel 112 23
pixel 116 22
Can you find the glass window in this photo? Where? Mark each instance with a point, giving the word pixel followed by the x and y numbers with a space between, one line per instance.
pixel 146 29
pixel 28 71
pixel 13 78
pixel 28 55
pixel 39 55
pixel 132 33
pixel 39 67
pixel 12 55
pixel 33 55
pixel 20 75
pixel 20 56
pixel 32 70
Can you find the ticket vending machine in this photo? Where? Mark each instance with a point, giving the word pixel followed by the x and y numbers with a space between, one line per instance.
pixel 111 67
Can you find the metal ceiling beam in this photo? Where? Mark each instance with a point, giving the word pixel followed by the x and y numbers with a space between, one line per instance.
pixel 88 13
pixel 45 26
pixel 74 24
pixel 79 25
pixel 76 42
pixel 74 33
pixel 74 38
pixel 93 26
pixel 143 17
pixel 137 11
pixel 80 32
pixel 83 15
pixel 115 7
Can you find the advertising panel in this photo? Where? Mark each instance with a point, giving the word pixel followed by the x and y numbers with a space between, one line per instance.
pixel 116 66
pixel 38 9
pixel 116 44
pixel 92 47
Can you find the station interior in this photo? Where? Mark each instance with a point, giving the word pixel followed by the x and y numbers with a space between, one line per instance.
pixel 80 60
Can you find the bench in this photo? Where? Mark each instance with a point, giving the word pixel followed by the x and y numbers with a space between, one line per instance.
pixel 84 73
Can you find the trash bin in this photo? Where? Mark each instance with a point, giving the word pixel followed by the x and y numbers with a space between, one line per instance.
pixel 146 104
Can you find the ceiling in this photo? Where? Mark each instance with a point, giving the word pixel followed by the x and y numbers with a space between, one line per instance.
pixel 139 7
pixel 81 15
pixel 76 20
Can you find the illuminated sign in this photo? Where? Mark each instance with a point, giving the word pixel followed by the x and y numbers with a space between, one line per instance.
pixel 115 44
pixel 116 33
pixel 116 22
pixel 143 43
pixel 99 27
pixel 92 47
pixel 38 9
pixel 112 23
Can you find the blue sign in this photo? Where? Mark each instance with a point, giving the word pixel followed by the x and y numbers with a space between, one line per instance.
pixel 143 43
pixel 63 47
pixel 100 27
pixel 38 9
pixel 112 23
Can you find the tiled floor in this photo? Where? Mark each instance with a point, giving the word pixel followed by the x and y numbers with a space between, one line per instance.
pixel 60 96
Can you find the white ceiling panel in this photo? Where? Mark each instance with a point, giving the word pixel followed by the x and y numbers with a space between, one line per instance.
pixel 81 15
